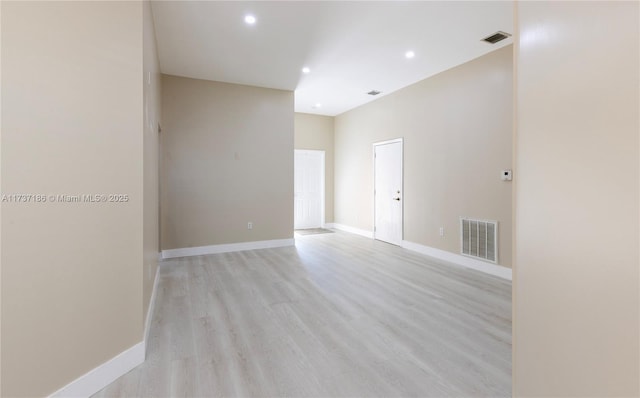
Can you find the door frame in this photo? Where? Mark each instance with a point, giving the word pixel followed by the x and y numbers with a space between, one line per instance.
pixel 373 156
pixel 322 184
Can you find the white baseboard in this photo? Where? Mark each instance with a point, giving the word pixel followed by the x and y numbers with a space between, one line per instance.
pixel 226 248
pixel 346 228
pixel 105 374
pixel 152 304
pixel 493 269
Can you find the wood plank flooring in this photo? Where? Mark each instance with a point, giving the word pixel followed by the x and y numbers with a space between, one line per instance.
pixel 338 315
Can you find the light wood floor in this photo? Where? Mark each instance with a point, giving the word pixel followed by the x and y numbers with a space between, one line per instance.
pixel 337 315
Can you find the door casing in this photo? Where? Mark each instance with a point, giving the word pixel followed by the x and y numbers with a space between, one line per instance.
pixel 376 144
pixel 321 154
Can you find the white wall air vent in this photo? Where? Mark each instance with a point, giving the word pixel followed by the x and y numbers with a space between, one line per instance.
pixel 479 239
pixel 496 37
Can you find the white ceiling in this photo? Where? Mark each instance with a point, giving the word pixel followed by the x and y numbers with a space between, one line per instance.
pixel 350 47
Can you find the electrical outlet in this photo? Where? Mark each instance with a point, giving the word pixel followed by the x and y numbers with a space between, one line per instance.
pixel 249 225
pixel 441 231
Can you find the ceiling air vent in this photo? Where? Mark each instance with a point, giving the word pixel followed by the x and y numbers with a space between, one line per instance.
pixel 496 37
pixel 373 92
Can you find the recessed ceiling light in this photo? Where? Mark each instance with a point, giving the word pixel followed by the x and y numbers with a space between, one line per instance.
pixel 409 54
pixel 317 105
pixel 250 19
pixel 306 70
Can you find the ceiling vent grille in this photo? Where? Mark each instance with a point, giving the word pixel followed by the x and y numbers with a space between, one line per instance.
pixel 373 92
pixel 479 239
pixel 496 37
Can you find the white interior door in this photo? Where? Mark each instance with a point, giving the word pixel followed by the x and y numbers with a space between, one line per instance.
pixel 388 191
pixel 309 189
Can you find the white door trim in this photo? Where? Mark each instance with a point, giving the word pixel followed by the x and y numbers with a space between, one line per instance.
pixel 393 141
pixel 373 194
pixel 322 182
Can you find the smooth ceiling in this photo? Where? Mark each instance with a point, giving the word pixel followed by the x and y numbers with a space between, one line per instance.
pixel 350 47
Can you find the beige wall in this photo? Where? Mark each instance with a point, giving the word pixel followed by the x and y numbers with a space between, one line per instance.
pixel 316 132
pixel 227 160
pixel 71 124
pixel 0 203
pixel 152 107
pixel 457 130
pixel 577 159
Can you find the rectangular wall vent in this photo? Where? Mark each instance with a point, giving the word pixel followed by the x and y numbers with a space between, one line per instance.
pixel 479 239
pixel 496 37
